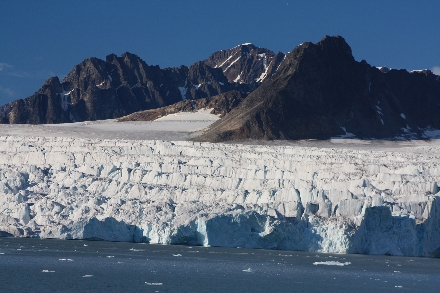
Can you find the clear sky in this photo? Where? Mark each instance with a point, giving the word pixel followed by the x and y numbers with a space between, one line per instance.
pixel 40 39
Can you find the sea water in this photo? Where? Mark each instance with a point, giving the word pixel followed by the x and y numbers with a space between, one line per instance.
pixel 36 265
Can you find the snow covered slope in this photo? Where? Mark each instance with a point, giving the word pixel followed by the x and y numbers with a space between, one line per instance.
pixel 344 200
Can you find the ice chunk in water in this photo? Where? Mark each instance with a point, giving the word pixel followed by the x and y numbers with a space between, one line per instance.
pixel 332 263
pixel 249 270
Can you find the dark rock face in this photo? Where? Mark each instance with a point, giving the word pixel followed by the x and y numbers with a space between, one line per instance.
pixel 316 91
pixel 43 106
pixel 96 89
pixel 320 91
pixel 246 64
pixel 418 92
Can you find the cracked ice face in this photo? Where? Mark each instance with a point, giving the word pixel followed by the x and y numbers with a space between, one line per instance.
pixel 361 198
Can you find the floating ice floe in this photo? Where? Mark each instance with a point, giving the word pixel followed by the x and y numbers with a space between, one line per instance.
pixel 249 270
pixel 134 249
pixel 332 263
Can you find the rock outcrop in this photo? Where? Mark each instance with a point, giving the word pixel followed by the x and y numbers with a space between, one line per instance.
pixel 320 91
pixel 246 64
pixel 220 105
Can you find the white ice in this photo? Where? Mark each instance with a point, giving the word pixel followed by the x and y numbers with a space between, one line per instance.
pixel 154 284
pixel 232 63
pixel 332 263
pixel 183 90
pixel 221 65
pixel 347 134
pixel 146 182
pixel 249 270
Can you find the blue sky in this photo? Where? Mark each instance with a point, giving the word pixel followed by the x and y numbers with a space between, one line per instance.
pixel 40 39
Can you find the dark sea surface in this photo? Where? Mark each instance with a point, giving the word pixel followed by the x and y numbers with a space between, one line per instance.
pixel 35 265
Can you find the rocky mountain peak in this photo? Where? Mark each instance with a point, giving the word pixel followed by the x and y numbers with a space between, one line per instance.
pixel 335 45
pixel 320 91
pixel 131 59
pixel 315 91
pixel 51 81
pixel 331 52
pixel 96 89
pixel 246 48
pixel 246 64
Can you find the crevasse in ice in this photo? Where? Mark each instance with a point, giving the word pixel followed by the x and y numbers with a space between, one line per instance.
pixel 255 196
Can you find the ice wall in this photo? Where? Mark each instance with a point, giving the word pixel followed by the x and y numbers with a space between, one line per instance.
pixel 298 198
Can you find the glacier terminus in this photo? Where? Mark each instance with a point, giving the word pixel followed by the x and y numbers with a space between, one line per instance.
pixel 322 199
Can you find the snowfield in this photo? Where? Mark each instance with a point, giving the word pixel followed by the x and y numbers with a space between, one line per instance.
pixel 113 181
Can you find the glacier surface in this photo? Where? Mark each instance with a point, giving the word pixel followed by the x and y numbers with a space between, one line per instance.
pixel 333 199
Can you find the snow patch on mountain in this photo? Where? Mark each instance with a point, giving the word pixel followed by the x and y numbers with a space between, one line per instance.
pixel 232 63
pixel 183 90
pixel 64 97
pixel 347 134
pixel 221 65
pixel 266 69
pixel 431 133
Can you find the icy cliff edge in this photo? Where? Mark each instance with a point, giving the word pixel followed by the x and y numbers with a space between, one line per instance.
pixel 296 198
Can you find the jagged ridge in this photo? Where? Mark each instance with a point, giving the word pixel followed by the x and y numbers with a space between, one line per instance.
pixel 320 91
pixel 96 89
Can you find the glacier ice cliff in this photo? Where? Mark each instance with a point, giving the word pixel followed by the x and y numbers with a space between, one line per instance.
pixel 277 197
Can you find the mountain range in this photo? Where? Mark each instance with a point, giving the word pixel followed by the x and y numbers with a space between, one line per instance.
pixel 316 91
pixel 320 91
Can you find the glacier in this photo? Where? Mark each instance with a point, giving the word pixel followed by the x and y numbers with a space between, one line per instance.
pixel 292 197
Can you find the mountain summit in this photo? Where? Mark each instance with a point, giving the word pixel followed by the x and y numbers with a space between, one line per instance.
pixel 246 63
pixel 317 91
pixel 99 89
pixel 320 91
